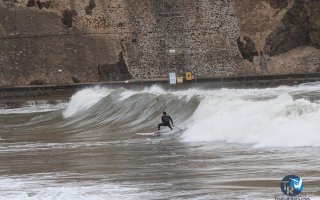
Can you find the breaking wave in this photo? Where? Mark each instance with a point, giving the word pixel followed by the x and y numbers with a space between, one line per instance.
pixel 281 121
pixel 85 99
pixel 280 117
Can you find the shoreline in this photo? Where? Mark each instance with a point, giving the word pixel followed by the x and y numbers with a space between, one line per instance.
pixel 52 91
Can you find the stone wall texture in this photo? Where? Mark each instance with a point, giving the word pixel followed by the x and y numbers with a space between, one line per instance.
pixel 68 41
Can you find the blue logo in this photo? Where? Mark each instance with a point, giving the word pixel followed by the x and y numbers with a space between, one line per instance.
pixel 291 185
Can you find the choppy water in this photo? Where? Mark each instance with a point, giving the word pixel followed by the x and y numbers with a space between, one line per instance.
pixel 234 144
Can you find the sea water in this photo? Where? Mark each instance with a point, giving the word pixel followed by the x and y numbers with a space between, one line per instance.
pixel 233 144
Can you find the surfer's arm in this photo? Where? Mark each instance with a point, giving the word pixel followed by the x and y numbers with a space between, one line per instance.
pixel 171 120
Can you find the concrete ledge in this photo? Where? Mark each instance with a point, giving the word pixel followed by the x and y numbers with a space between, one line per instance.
pixel 206 83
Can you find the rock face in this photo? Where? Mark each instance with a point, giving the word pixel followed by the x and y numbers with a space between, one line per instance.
pixel 114 72
pixel 67 41
pixel 295 29
pixel 285 34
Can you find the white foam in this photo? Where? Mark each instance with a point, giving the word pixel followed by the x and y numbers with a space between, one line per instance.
pixel 85 99
pixel 34 108
pixel 46 187
pixel 154 89
pixel 281 122
pixel 70 186
pixel 255 92
pixel 126 94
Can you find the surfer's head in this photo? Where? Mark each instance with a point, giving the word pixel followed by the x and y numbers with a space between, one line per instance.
pixel 164 113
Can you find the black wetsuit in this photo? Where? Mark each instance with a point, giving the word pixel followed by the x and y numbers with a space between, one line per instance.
pixel 165 121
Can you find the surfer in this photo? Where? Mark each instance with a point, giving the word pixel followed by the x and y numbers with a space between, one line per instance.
pixel 165 121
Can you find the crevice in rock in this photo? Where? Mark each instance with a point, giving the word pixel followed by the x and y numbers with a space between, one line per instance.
pixel 75 79
pixel 67 17
pixel 278 4
pixel 31 3
pixel 89 8
pixel 291 33
pixel 45 4
pixel 247 48
pixel 114 72
pixel 39 4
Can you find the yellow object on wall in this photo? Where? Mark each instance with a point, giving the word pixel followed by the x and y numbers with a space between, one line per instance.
pixel 188 76
pixel 179 79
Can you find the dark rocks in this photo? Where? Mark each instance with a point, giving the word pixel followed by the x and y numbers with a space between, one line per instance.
pixel 75 79
pixel 39 4
pixel 89 8
pixel 280 4
pixel 31 3
pixel 114 72
pixel 292 32
pixel 67 17
pixel 247 48
pixel 45 4
pixel 314 24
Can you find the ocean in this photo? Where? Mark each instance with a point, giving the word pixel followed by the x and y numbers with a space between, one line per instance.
pixel 227 144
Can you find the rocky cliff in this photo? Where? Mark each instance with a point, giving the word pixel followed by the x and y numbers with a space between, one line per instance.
pixel 67 41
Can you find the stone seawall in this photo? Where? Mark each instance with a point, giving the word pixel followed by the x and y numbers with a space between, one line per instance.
pixel 65 41
pixel 52 91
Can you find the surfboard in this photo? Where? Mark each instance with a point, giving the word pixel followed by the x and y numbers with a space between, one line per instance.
pixel 159 133
pixel 150 133
pixel 155 133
